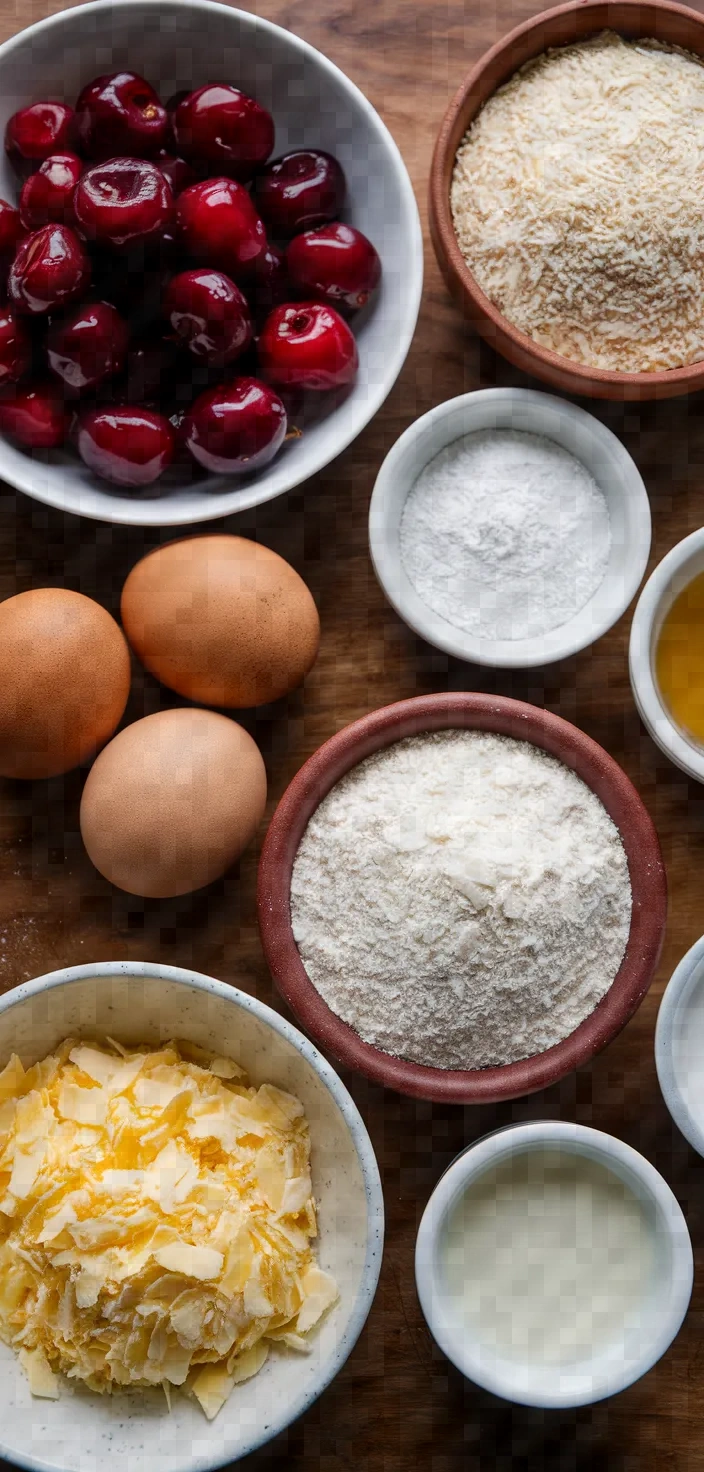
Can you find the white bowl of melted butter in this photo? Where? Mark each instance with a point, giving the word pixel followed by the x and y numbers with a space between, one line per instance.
pixel 553 1264
pixel 68 1427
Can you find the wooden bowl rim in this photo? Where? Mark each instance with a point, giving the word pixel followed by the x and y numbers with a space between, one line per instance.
pixel 504 716
pixel 578 377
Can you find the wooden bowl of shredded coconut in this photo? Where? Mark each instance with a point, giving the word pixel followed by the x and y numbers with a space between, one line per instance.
pixel 462 897
pixel 567 198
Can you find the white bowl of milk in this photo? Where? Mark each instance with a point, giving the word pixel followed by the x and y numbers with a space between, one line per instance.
pixel 553 1264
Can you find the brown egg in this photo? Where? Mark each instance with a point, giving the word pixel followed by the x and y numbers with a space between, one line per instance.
pixel 64 681
pixel 222 620
pixel 171 803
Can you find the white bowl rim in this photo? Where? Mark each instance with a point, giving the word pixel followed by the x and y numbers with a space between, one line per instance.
pixel 357 1129
pixel 228 503
pixel 686 978
pixel 651 708
pixel 488 1150
pixel 505 653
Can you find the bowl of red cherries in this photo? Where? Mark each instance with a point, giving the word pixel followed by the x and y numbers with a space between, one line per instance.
pixel 203 299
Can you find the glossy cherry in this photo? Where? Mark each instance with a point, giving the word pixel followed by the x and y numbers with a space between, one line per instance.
pixel 120 114
pixel 219 226
pixel 336 263
pixel 48 195
pixel 224 130
pixel 269 286
pixel 35 132
pixel 87 346
pixel 179 174
pixel 34 416
pixel 15 347
pixel 50 269
pixel 307 345
pixel 209 315
pixel 122 202
pixel 126 444
pixel 10 229
pixel 237 427
pixel 302 189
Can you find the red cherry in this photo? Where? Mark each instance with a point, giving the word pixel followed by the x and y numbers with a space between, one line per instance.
pixel 179 174
pixel 123 201
pixel 120 114
pixel 35 132
pixel 307 345
pixel 237 427
pixel 302 189
pixel 222 128
pixel 209 314
pixel 127 445
pixel 336 263
pixel 86 346
pixel 50 269
pixel 15 347
pixel 34 416
pixel 270 285
pixel 219 226
pixel 172 103
pixel 10 229
pixel 48 195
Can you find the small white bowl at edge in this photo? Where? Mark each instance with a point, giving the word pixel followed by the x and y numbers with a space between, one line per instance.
pixel 671 576
pixel 679 1046
pixel 143 1002
pixel 625 1359
pixel 575 430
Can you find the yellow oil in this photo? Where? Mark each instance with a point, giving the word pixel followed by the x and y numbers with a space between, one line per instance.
pixel 679 660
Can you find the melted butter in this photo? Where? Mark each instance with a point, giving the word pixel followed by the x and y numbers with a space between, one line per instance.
pixel 679 660
pixel 547 1257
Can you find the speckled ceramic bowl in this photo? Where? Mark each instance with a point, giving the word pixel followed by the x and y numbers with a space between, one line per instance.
pixel 140 1002
pixel 182 44
pixel 508 718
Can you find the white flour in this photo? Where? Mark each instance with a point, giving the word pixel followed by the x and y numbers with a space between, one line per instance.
pixel 505 534
pixel 461 899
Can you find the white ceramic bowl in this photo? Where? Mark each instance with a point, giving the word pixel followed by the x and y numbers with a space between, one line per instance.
pixel 679 1045
pixel 534 413
pixel 134 1003
pixel 668 580
pixel 183 43
pixel 644 1339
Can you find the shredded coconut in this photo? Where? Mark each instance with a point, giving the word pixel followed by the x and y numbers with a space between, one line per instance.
pixel 578 203
pixel 461 899
pixel 505 534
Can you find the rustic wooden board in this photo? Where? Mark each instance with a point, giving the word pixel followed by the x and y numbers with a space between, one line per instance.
pixel 398 1405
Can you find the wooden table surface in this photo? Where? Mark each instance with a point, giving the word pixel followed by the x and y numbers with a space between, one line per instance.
pixel 398 1405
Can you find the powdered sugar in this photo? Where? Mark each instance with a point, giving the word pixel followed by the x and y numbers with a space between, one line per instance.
pixel 461 899
pixel 505 534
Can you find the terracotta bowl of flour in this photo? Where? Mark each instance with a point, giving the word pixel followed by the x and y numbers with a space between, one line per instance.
pixel 501 716
pixel 672 24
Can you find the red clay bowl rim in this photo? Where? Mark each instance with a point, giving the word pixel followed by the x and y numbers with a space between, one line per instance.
pixel 506 717
pixel 450 258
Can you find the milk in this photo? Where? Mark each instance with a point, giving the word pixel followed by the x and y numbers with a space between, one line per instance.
pixel 547 1256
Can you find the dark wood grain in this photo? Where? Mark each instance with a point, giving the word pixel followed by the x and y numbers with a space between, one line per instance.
pixel 397 1406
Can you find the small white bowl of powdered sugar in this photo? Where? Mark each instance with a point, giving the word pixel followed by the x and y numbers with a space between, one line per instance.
pixel 462 896
pixel 509 527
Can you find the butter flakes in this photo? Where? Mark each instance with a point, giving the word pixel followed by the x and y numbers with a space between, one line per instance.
pixel 42 1380
pixel 157 1221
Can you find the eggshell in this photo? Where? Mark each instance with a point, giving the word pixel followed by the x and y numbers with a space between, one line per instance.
pixel 64 681
pixel 171 803
pixel 222 620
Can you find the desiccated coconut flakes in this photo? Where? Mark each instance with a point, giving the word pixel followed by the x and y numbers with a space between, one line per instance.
pixel 578 203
